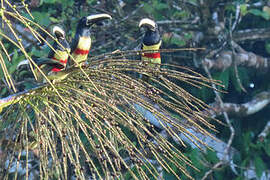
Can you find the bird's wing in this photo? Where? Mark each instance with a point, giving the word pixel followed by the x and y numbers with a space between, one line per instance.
pixel 74 43
pixel 52 62
pixel 51 52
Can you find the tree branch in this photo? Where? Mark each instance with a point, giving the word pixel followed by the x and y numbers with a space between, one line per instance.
pixel 265 132
pixel 251 34
pixel 242 110
pixel 242 58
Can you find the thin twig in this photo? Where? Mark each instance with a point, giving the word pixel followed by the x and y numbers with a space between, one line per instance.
pixel 237 17
pixel 226 152
pixel 233 57
pixel 265 131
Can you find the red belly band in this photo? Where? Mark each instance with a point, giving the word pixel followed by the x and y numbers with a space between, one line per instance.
pixel 55 69
pixel 81 51
pixel 152 55
pixel 61 61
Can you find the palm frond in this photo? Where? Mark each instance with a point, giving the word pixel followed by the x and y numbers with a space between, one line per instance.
pixel 104 129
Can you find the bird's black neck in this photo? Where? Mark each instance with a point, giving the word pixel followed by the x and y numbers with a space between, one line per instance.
pixel 151 37
pixel 83 31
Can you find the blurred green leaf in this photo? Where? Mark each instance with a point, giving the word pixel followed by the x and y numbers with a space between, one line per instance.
pixel 3 91
pixel 239 178
pixel 194 156
pixel 205 94
pixel 266 147
pixel 193 2
pixel 258 12
pixel 212 156
pixel 259 166
pixel 246 141
pixel 161 6
pixel 243 9
pixel 168 176
pixel 181 14
pixel 91 1
pixel 267 47
pixel 54 20
pixel 177 41
pixel 41 18
pixel 255 12
pixel 188 36
pixel 148 8
pixel 49 1
pixel 223 76
pixel 265 15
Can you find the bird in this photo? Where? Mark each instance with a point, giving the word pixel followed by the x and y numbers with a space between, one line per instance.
pixel 56 60
pixel 81 43
pixel 61 49
pixel 151 42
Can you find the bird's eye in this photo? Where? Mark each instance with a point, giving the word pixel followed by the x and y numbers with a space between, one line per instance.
pixel 88 23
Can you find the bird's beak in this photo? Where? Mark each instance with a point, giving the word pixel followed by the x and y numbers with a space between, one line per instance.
pixel 148 23
pixel 58 32
pixel 96 18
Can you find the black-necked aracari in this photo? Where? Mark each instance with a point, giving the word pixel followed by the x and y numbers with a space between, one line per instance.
pixel 151 42
pixel 60 49
pixel 56 60
pixel 81 43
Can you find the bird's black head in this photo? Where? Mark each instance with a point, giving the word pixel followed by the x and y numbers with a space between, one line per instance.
pixel 152 35
pixel 85 23
pixel 60 36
